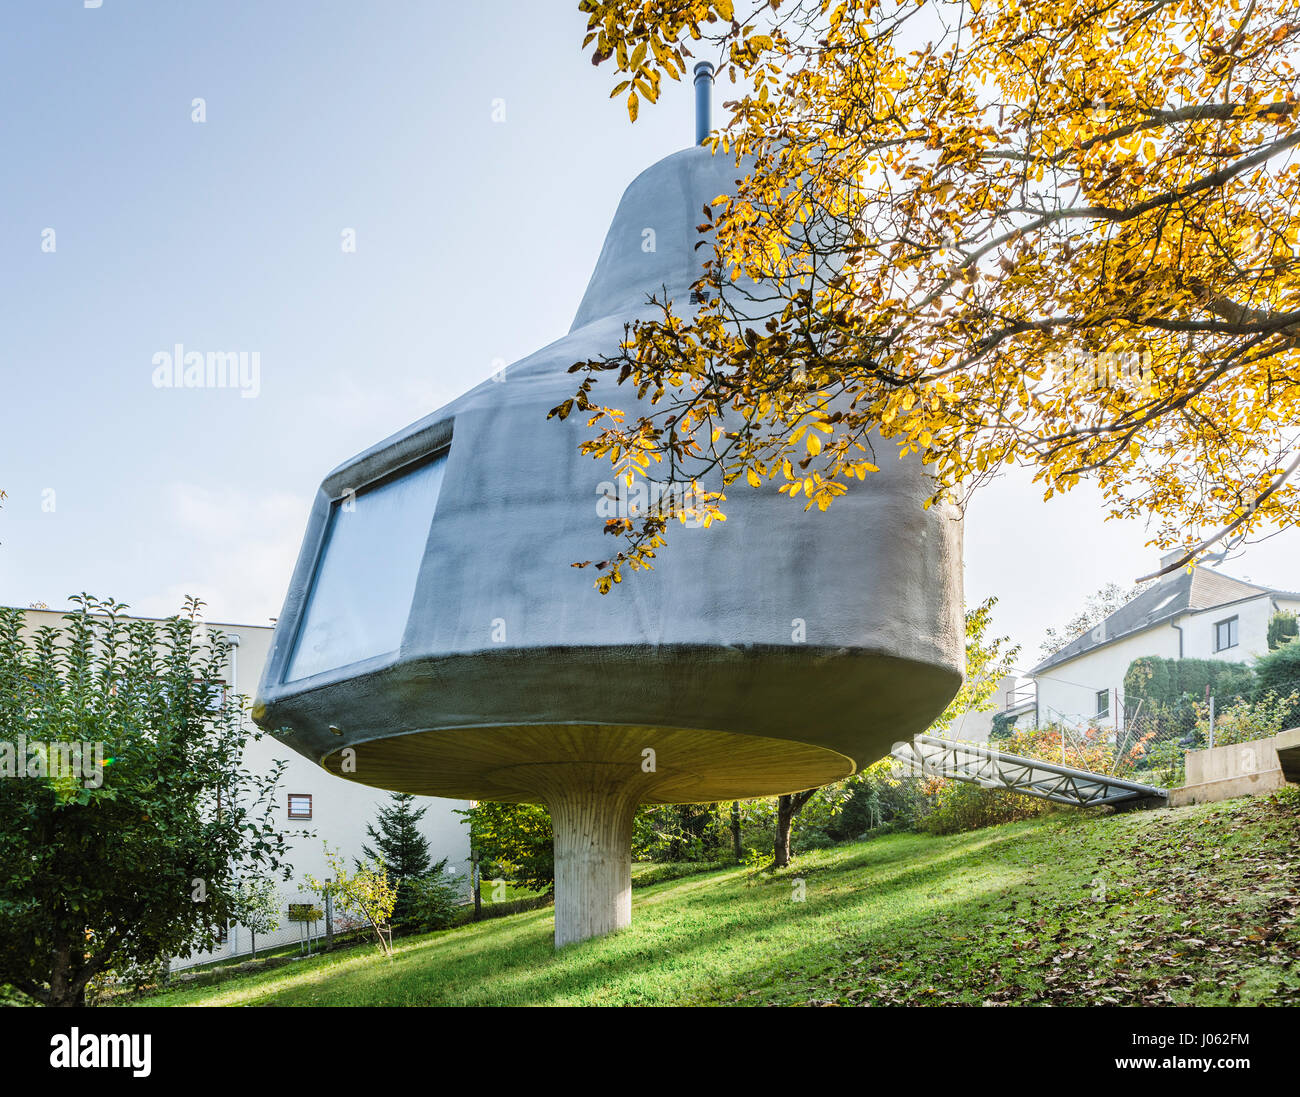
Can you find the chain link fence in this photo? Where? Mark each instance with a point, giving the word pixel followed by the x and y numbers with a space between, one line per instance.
pixel 300 921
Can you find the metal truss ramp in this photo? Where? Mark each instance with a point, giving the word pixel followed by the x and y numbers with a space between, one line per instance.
pixel 984 765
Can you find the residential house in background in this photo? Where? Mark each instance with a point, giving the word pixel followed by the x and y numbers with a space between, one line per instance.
pixel 1011 699
pixel 314 806
pixel 1197 614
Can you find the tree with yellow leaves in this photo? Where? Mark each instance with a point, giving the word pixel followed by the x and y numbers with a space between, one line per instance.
pixel 1064 236
pixel 367 893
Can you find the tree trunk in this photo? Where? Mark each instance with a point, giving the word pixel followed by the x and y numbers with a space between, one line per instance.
pixel 784 819
pixel 67 987
pixel 787 807
pixel 478 886
pixel 735 828
pixel 73 995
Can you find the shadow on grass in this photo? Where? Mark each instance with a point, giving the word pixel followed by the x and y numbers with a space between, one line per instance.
pixel 950 900
pixel 717 915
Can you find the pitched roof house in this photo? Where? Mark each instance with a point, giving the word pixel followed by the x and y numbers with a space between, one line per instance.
pixel 1197 614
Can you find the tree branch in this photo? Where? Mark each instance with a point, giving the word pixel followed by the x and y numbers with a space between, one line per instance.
pixel 1192 553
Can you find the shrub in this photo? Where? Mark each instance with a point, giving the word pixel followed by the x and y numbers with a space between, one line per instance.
pixel 1088 749
pixel 955 806
pixel 683 832
pixel 1278 673
pixel 514 842
pixel 1003 727
pixel 432 900
pixel 1245 720
pixel 961 806
pixel 878 799
pixel 1168 687
pixel 366 893
pixel 1164 764
pixel 1282 628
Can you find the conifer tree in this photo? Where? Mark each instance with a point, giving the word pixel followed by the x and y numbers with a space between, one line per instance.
pixel 400 845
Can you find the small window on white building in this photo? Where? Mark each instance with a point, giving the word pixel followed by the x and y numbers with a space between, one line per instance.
pixel 1225 634
pixel 299 805
pixel 1103 702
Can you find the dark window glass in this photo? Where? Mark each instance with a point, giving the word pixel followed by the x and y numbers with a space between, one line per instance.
pixel 1225 634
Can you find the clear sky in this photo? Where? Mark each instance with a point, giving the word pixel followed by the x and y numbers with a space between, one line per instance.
pixel 474 152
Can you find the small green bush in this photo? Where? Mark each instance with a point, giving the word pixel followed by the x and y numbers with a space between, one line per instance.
pixel 432 900
pixel 961 807
pixel 1278 673
pixel 1246 721
pixel 1282 628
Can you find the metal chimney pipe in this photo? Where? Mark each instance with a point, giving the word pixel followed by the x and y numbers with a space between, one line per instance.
pixel 703 101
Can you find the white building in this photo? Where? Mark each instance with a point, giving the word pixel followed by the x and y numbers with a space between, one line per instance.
pixel 975 726
pixel 1200 614
pixel 314 806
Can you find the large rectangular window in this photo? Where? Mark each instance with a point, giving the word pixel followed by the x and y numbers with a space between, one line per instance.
pixel 1225 634
pixel 365 577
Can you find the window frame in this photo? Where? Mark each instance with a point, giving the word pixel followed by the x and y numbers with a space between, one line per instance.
pixel 428 436
pixel 1234 633
pixel 288 808
pixel 1102 701
pixel 336 499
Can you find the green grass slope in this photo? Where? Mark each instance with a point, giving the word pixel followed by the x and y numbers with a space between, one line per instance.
pixel 1197 905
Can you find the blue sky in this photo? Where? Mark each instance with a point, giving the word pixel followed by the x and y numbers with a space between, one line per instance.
pixel 474 241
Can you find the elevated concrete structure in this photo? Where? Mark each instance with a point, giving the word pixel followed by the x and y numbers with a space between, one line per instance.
pixel 774 652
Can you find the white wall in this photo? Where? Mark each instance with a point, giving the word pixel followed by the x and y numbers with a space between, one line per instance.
pixel 1067 692
pixel 1252 630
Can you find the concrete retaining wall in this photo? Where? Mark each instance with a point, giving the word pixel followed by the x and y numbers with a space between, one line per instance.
pixel 1242 769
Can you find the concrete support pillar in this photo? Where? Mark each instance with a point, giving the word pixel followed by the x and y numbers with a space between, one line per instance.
pixel 593 859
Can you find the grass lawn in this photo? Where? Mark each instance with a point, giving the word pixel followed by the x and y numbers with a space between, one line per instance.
pixel 1196 905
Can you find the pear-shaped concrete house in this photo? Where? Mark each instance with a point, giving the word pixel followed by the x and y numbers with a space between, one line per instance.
pixel 436 640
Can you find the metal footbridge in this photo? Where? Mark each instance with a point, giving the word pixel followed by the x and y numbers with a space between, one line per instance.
pixel 985 765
